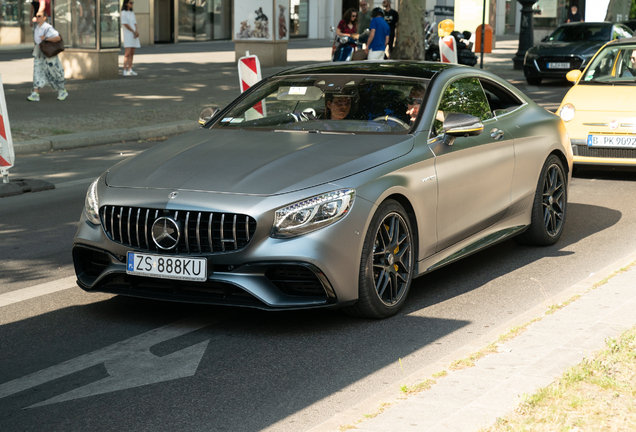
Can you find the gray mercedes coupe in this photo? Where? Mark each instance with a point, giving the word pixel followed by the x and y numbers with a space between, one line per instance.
pixel 331 185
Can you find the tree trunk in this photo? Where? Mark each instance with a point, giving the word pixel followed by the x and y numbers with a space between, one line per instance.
pixel 409 43
pixel 618 7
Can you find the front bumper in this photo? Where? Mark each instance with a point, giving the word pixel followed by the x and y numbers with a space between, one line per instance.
pixel 537 67
pixel 584 155
pixel 319 269
pixel 265 285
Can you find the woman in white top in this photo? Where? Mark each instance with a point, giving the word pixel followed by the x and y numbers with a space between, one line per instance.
pixel 46 70
pixel 131 36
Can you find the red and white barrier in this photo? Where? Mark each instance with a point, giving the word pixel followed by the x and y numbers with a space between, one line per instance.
pixel 249 70
pixel 447 49
pixel 7 155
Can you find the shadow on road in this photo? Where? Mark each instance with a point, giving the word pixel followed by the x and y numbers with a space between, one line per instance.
pixel 260 368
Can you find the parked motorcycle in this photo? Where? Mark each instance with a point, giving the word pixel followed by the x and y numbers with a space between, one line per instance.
pixel 430 39
pixel 464 54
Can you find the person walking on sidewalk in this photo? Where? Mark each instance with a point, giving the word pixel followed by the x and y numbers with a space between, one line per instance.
pixel 391 17
pixel 46 70
pixel 131 36
pixel 40 6
pixel 378 35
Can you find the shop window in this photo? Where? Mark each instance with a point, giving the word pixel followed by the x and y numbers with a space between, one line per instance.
pixel 299 18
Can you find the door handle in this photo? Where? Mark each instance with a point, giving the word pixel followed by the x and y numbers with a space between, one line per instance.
pixel 496 134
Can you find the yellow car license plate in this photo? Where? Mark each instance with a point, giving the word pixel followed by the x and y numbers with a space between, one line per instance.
pixel 614 141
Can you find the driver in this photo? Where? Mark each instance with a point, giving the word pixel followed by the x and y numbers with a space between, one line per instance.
pixel 415 99
pixel 630 71
pixel 339 106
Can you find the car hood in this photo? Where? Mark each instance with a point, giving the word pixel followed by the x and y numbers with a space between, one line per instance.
pixel 567 48
pixel 602 98
pixel 255 163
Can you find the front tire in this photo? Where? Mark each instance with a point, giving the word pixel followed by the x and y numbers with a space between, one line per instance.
pixel 386 265
pixel 534 80
pixel 549 207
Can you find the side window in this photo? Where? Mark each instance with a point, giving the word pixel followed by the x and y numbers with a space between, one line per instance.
pixel 464 96
pixel 501 100
pixel 627 32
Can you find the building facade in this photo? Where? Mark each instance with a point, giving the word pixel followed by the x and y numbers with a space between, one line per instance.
pixel 85 23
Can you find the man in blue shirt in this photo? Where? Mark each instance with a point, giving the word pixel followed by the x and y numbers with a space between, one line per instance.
pixel 378 35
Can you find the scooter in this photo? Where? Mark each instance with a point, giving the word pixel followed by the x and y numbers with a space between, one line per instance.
pixel 347 48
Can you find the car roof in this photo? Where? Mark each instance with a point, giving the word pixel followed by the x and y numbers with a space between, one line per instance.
pixel 401 68
pixel 591 23
pixel 626 41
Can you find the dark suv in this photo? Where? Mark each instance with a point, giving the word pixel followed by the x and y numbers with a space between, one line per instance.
pixel 571 46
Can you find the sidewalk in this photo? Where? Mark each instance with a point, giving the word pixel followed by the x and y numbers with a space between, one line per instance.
pixel 175 83
pixel 469 399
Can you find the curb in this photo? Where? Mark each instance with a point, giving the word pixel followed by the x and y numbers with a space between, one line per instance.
pixel 393 393
pixel 90 139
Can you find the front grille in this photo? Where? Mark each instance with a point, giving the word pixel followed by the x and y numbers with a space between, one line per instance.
pixel 575 63
pixel 619 153
pixel 295 280
pixel 201 232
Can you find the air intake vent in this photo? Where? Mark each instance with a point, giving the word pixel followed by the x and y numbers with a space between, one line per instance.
pixel 618 153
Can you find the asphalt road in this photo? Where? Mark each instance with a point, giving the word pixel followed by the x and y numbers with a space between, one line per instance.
pixel 72 361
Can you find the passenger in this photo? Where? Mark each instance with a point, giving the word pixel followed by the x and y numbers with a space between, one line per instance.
pixel 415 99
pixel 338 107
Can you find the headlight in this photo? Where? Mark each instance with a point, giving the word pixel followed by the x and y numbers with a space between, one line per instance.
pixel 313 213
pixel 530 55
pixel 91 205
pixel 567 112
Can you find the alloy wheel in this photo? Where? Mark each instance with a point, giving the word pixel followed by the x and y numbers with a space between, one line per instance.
pixel 392 259
pixel 553 200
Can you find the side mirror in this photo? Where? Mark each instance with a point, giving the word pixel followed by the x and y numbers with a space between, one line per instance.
pixel 207 114
pixel 573 75
pixel 545 39
pixel 460 125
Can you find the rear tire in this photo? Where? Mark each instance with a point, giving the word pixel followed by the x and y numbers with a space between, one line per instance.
pixel 534 80
pixel 386 265
pixel 549 206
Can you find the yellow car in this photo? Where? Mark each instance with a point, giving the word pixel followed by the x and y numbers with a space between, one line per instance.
pixel 599 111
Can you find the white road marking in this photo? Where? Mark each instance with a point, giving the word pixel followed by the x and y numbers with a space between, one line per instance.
pixel 37 291
pixel 75 182
pixel 129 363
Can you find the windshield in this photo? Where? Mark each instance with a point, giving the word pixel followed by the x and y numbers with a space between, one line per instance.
pixel 330 103
pixel 578 33
pixel 615 64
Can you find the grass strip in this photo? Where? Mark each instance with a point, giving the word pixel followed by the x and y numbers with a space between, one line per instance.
pixel 599 394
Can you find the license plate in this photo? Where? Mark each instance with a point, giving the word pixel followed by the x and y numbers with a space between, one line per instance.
pixel 615 141
pixel 558 65
pixel 167 267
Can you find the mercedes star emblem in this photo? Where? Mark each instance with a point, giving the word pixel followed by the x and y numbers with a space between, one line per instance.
pixel 165 233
